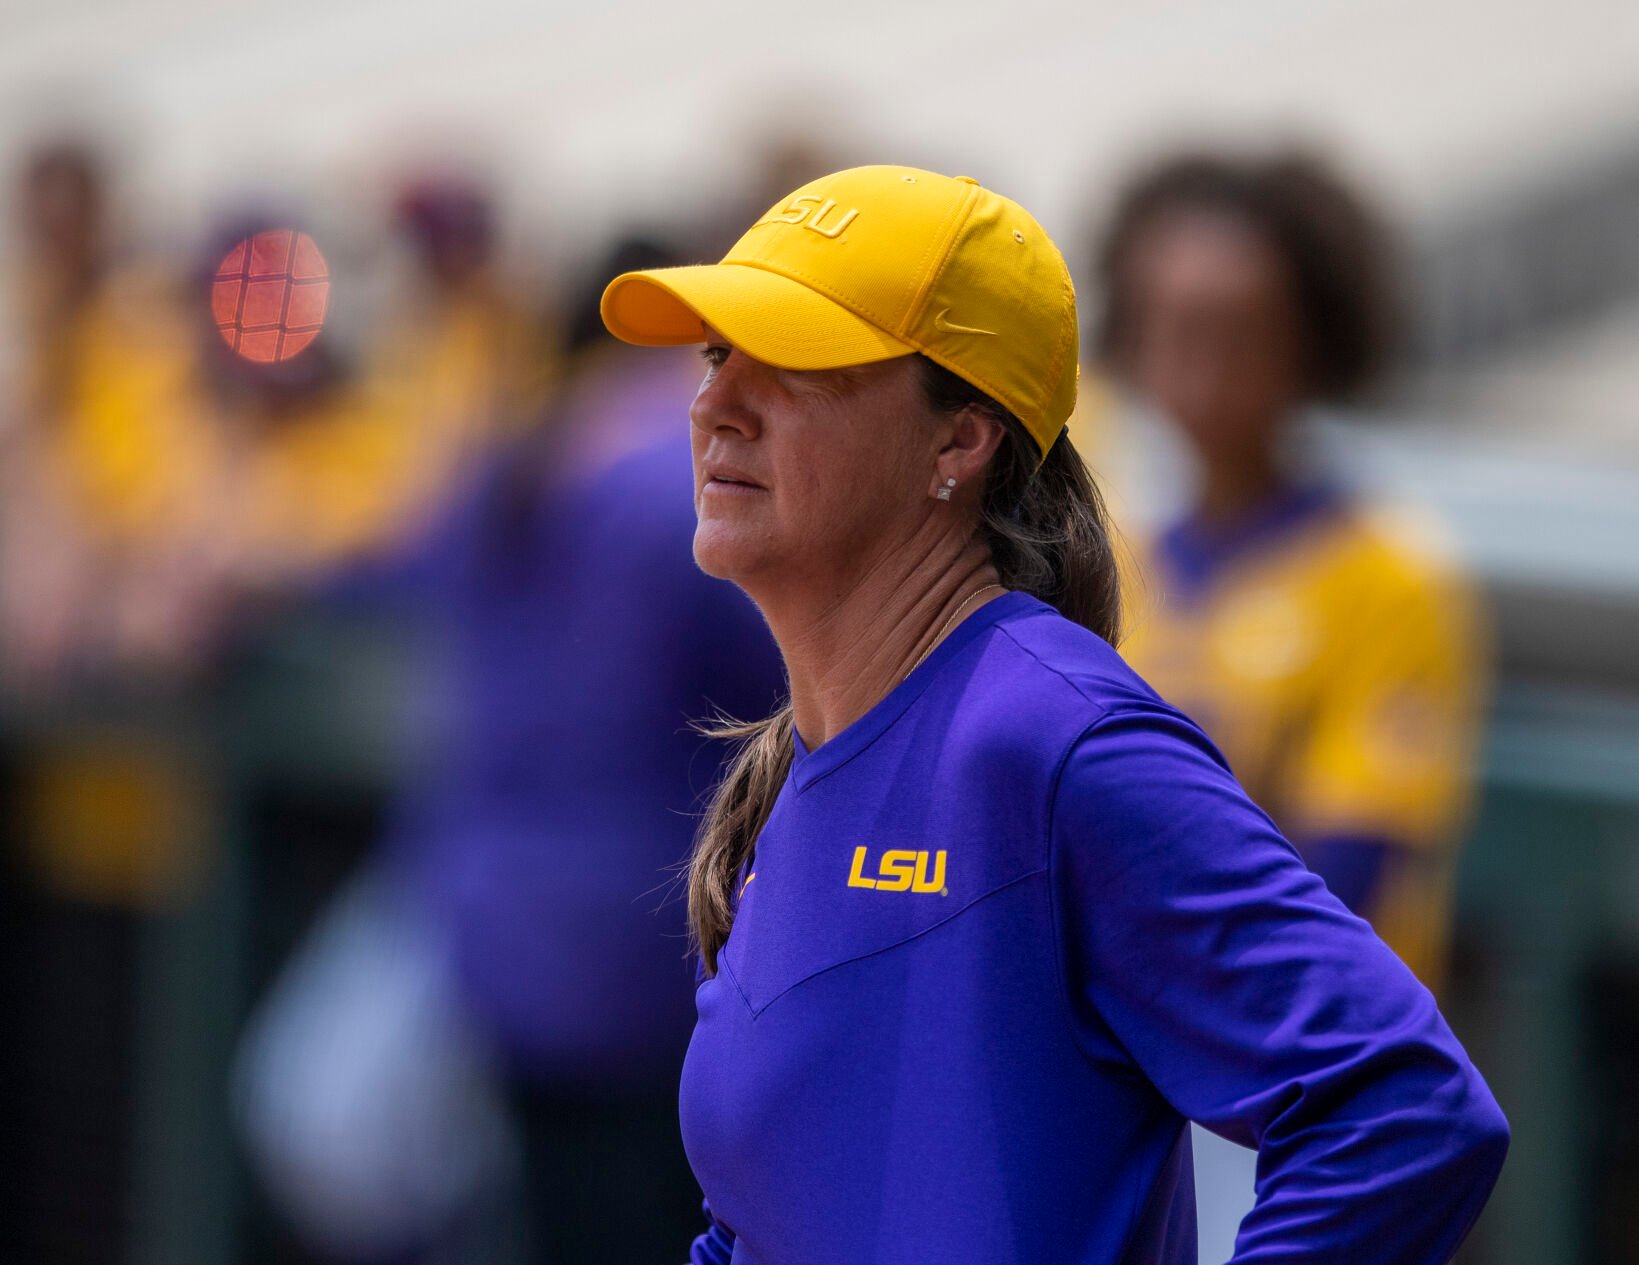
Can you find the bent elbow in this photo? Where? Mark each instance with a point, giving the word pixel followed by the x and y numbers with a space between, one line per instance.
pixel 1497 1135
pixel 1486 1134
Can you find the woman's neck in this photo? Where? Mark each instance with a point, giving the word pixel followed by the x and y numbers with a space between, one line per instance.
pixel 846 649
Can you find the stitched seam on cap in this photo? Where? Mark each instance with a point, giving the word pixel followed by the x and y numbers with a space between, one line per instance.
pixel 1067 336
pixel 963 213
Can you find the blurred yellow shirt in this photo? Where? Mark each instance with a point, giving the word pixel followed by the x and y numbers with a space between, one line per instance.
pixel 127 435
pixel 458 371
pixel 1336 658
pixel 333 480
pixel 149 457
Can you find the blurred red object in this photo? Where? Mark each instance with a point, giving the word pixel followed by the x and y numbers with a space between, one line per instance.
pixel 269 294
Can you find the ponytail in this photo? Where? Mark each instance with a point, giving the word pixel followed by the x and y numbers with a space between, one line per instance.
pixel 728 833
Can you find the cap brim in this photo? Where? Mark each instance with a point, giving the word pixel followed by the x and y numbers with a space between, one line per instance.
pixel 768 316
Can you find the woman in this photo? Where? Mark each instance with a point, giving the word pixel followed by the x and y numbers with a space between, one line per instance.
pixel 982 920
pixel 1320 639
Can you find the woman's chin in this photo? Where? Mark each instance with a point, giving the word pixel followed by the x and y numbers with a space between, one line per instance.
pixel 723 552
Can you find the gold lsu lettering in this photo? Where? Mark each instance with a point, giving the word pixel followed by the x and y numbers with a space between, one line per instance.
pixel 813 216
pixel 900 871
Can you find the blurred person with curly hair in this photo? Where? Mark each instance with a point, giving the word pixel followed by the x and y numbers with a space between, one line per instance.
pixel 1326 641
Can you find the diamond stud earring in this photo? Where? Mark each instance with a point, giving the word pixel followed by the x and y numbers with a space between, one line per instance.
pixel 944 493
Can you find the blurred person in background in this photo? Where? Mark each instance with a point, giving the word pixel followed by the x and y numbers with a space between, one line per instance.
pixel 459 354
pixel 1325 641
pixel 102 454
pixel 102 478
pixel 512 963
pixel 102 794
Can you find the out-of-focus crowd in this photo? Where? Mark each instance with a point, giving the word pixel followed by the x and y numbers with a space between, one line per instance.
pixel 155 480
pixel 499 501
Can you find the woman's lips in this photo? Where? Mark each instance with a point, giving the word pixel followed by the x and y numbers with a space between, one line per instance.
pixel 731 485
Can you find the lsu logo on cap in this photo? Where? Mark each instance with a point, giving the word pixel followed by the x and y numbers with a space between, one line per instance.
pixel 813 217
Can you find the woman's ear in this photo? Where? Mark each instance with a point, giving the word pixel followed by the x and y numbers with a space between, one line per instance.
pixel 971 442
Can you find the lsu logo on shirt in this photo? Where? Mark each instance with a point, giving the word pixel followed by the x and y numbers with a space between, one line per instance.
pixel 901 870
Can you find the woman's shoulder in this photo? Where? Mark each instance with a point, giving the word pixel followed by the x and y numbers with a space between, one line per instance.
pixel 1062 665
pixel 1120 753
pixel 1041 682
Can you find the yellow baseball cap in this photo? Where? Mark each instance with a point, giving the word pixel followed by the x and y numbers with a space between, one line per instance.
pixel 876 262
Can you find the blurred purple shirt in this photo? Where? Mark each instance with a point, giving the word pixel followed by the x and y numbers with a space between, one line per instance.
pixel 578 641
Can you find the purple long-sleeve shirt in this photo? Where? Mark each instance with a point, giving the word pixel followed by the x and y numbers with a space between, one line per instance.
pixel 1006 934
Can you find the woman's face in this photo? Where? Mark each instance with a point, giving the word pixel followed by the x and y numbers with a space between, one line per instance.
pixel 1214 339
pixel 807 477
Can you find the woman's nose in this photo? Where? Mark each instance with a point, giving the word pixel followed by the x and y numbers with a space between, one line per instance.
pixel 725 399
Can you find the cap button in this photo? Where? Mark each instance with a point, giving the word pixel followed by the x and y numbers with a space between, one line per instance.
pixel 967 179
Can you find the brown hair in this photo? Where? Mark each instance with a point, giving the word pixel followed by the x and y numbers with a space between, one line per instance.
pixel 1336 252
pixel 1049 535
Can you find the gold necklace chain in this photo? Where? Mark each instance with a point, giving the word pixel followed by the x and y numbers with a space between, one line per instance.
pixel 940 635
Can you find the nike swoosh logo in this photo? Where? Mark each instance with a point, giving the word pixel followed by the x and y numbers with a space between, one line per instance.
pixel 940 323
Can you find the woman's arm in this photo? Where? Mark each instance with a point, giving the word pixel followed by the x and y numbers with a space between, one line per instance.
pixel 1259 1006
pixel 1353 868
